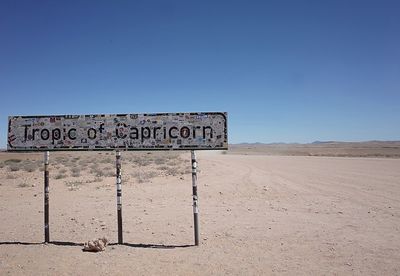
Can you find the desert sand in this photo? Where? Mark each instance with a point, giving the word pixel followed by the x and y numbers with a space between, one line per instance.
pixel 260 214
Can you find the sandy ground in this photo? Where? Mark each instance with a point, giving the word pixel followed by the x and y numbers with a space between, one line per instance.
pixel 259 215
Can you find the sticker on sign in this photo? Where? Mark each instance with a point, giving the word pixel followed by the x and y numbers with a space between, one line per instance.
pixel 161 131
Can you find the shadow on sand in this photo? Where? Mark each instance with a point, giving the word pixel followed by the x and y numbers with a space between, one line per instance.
pixel 156 246
pixel 62 243
pixel 66 243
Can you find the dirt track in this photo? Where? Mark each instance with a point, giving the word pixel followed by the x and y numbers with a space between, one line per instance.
pixel 258 215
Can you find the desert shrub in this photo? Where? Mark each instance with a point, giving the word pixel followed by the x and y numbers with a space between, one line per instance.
pixel 172 171
pixel 96 171
pixel 163 167
pixel 92 180
pixel 93 161
pixel 12 161
pixel 107 160
pixel 62 171
pixel 60 159
pixel 82 162
pixel 11 176
pixel 23 185
pixel 144 176
pixel 29 167
pixel 187 171
pixel 172 162
pixel 142 162
pixel 60 176
pixel 73 185
pixel 14 168
pixel 160 161
pixel 151 174
pixel 76 172
pixel 75 169
pixel 109 171
pixel 2 165
pixel 68 164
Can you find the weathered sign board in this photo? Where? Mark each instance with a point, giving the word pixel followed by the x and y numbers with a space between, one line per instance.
pixel 161 131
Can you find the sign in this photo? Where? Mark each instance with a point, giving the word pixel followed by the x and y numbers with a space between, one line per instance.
pixel 163 131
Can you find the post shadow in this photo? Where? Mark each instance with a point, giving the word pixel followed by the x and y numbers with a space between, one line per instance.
pixel 59 243
pixel 154 246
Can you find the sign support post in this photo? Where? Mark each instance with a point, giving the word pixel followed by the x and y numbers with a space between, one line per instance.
pixel 46 198
pixel 195 199
pixel 151 131
pixel 119 195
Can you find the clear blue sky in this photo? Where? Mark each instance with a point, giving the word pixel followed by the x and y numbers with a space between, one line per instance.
pixel 285 71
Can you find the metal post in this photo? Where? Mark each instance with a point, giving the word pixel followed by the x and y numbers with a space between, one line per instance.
pixel 46 197
pixel 119 194
pixel 195 198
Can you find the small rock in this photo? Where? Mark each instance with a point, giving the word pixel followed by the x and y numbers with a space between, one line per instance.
pixel 96 245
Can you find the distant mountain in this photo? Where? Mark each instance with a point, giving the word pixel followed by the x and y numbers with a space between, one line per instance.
pixel 319 143
pixel 323 142
pixel 245 143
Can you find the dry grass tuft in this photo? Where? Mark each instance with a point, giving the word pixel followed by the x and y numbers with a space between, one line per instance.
pixel 76 172
pixel 12 161
pixel 60 176
pixel 23 185
pixel 29 166
pixel 11 176
pixel 142 177
pixel 73 185
pixel 14 168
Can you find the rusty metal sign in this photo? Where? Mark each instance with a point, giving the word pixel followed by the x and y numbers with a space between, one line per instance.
pixel 161 131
